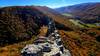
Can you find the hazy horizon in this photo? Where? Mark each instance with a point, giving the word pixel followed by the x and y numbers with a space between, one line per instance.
pixel 48 3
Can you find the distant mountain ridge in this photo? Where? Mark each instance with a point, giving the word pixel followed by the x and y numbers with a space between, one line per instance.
pixel 87 12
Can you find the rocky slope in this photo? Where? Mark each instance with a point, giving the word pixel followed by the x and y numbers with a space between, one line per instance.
pixel 82 43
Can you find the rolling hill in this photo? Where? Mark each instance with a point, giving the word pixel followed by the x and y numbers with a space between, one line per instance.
pixel 19 23
pixel 86 12
pixel 61 21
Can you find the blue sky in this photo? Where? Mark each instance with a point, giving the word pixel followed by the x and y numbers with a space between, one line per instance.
pixel 49 3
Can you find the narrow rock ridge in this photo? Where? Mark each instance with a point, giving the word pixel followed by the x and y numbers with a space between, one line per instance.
pixel 49 45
